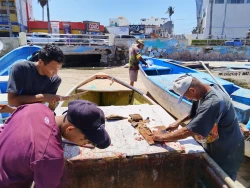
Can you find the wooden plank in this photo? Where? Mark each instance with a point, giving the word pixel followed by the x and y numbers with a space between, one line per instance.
pixel 123 135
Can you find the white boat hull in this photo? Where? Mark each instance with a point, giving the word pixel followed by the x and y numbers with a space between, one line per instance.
pixel 165 99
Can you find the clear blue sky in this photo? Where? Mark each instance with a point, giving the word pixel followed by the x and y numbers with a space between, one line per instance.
pixel 101 10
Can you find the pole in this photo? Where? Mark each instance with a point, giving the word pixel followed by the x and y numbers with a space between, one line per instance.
pixel 48 17
pixel 211 19
pixel 224 20
pixel 9 20
pixel 205 67
pixel 21 15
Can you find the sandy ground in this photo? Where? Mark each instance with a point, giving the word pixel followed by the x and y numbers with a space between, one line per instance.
pixel 71 77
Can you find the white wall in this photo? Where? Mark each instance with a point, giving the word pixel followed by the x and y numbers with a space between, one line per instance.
pixel 121 21
pixel 118 30
pixel 152 21
pixel 237 20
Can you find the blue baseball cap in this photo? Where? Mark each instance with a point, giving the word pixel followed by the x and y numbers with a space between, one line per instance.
pixel 90 119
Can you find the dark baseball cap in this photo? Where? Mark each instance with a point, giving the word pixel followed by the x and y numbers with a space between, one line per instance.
pixel 90 119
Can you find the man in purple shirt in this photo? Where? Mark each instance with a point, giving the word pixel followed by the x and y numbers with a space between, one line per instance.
pixel 31 144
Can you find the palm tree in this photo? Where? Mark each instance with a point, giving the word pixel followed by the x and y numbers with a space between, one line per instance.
pixel 43 3
pixel 170 11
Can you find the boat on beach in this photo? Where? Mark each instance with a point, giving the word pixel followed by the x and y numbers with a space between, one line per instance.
pixel 129 161
pixel 158 79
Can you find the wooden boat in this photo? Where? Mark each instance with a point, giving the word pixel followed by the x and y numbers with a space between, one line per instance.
pixel 130 162
pixel 158 79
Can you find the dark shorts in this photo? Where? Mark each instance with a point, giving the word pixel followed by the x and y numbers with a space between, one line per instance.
pixel 133 74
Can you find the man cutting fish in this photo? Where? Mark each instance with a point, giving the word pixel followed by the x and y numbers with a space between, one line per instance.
pixel 213 122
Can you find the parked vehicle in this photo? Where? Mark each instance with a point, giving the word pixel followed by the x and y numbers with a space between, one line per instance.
pixel 235 42
pixel 104 42
pixel 44 38
pixel 125 36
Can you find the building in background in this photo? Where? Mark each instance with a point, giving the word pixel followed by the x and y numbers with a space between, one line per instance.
pixel 62 27
pixel 22 19
pixel 118 22
pixel 20 13
pixel 152 21
pixel 167 29
pixel 123 30
pixel 224 18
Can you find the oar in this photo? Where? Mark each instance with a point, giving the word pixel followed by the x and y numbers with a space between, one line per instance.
pixel 74 96
pixel 205 67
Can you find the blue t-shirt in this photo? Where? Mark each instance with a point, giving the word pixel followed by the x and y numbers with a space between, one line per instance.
pixel 228 149
pixel 24 79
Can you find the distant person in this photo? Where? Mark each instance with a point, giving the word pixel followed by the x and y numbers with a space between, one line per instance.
pixel 134 58
pixel 213 122
pixel 31 143
pixel 31 82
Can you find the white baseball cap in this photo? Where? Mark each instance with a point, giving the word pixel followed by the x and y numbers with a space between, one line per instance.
pixel 181 85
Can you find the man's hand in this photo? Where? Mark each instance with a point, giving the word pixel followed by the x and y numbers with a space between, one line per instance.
pixel 145 64
pixel 159 135
pixel 50 98
pixel 173 126
pixel 4 108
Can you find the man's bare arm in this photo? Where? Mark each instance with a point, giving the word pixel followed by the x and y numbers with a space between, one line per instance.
pixel 4 108
pixel 172 136
pixel 175 125
pixel 17 100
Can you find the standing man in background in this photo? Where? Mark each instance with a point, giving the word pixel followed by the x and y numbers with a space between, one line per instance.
pixel 134 58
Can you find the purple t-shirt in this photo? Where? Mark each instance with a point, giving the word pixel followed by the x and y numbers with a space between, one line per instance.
pixel 31 149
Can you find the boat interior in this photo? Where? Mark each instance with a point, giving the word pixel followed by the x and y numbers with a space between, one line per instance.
pixel 104 91
pixel 163 74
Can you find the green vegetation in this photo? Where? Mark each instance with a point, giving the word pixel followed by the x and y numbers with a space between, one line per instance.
pixel 239 83
pixel 217 42
pixel 170 12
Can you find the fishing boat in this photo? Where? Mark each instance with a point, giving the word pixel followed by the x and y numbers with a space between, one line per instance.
pixel 158 79
pixel 129 161
pixel 23 53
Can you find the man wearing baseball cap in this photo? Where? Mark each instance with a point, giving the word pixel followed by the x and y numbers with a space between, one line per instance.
pixel 213 122
pixel 134 58
pixel 31 143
